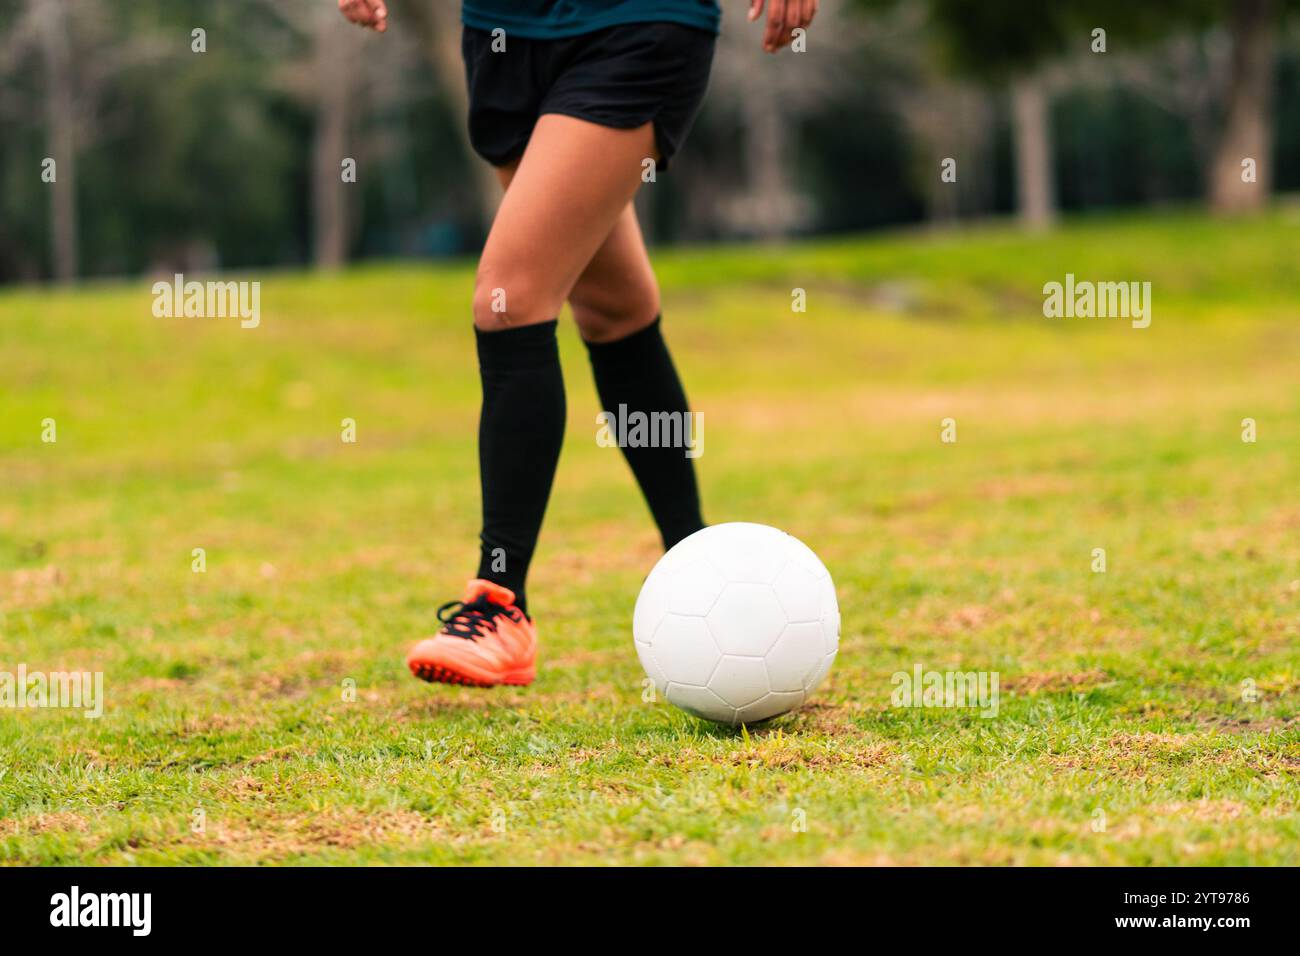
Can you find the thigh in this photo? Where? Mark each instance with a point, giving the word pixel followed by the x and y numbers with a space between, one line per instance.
pixel 617 293
pixel 571 186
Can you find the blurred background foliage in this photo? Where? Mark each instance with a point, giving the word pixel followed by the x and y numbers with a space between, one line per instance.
pixel 170 159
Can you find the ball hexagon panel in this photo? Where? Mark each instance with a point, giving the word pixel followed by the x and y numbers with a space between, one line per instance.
pixel 800 593
pixel 830 617
pixel 831 634
pixel 684 650
pixel 803 556
pixel 650 665
pixel 796 656
pixel 740 681
pixel 770 705
pixel 699 701
pixel 751 553
pixel 747 619
pixel 651 606
pixel 679 555
pixel 819 674
pixel 695 588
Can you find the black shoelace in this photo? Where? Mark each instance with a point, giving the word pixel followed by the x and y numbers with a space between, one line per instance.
pixel 467 620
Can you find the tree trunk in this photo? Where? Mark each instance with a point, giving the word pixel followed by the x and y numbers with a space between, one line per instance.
pixel 60 123
pixel 766 171
pixel 951 122
pixel 1248 129
pixel 771 204
pixel 440 25
pixel 334 49
pixel 1035 196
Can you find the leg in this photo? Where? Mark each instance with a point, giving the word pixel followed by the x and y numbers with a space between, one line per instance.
pixel 616 294
pixel 571 185
pixel 570 188
pixel 616 305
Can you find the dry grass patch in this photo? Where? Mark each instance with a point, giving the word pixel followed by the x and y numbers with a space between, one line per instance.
pixel 1052 682
pixel 60 822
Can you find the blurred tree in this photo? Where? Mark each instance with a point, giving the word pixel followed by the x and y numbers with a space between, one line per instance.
pixel 1247 136
pixel 769 99
pixel 53 24
pixel 183 160
pixel 77 64
pixel 327 79
pixel 1218 72
pixel 1003 43
pixel 439 24
pixel 1000 41
pixel 335 50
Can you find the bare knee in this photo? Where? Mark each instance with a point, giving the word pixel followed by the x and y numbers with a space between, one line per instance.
pixel 607 315
pixel 508 298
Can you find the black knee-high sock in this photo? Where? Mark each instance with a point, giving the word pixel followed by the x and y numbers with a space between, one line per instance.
pixel 638 372
pixel 519 436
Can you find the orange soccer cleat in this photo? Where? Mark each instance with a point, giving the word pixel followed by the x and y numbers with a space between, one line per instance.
pixel 485 641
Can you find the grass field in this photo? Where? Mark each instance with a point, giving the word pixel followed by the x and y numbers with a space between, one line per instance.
pixel 1148 713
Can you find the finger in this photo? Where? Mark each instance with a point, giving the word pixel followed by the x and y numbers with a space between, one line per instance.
pixel 366 13
pixel 775 20
pixel 755 10
pixel 809 11
pixel 799 21
pixel 791 22
pixel 370 12
pixel 802 16
pixel 785 34
pixel 793 13
pixel 356 11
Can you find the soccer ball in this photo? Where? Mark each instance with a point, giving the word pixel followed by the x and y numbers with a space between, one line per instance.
pixel 737 623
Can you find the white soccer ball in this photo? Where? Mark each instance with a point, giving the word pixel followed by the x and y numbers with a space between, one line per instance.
pixel 737 623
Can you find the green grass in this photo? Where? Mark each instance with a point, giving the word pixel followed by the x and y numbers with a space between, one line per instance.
pixel 1122 692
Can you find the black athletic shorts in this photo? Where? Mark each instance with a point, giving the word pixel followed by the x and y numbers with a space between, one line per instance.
pixel 623 76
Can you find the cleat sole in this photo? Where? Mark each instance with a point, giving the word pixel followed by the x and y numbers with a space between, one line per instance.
pixel 437 674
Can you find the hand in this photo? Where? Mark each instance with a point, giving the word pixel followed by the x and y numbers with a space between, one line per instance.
pixel 783 18
pixel 366 13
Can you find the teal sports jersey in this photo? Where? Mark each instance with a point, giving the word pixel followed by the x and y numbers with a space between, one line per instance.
pixel 549 19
